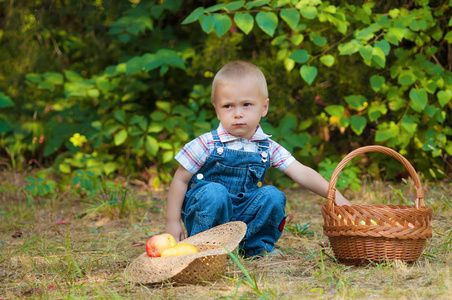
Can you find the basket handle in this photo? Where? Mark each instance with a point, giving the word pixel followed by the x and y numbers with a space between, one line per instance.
pixel 331 201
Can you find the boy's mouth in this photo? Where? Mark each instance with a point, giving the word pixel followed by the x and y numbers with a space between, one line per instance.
pixel 238 124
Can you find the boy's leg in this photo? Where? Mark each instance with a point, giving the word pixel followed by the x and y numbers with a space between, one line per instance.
pixel 263 212
pixel 206 205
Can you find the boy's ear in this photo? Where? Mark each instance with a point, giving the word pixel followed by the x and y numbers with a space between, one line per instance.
pixel 265 108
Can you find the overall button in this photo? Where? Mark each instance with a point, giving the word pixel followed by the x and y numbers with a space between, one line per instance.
pixel 220 150
pixel 259 184
pixel 200 176
pixel 264 156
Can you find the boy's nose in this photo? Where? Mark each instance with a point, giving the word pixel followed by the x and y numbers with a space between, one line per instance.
pixel 238 113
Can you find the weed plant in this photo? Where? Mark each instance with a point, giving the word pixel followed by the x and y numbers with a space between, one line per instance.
pixel 113 199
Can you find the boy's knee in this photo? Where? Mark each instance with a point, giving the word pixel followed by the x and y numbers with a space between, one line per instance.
pixel 273 196
pixel 213 196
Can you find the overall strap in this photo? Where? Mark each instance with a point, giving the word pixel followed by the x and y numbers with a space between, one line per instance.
pixel 219 147
pixel 264 150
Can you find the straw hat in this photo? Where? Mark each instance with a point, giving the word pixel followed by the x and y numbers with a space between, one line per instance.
pixel 190 268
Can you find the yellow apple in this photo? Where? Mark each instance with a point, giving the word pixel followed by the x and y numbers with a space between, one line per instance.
pixel 371 221
pixel 179 249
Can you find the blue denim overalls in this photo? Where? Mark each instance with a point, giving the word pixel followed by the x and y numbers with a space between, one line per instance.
pixel 228 187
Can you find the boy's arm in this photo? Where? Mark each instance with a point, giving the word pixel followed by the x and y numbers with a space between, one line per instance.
pixel 176 195
pixel 313 181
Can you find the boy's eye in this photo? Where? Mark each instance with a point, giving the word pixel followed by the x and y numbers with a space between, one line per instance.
pixel 227 106
pixel 247 104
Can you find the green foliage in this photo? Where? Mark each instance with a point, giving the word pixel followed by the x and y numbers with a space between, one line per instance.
pixel 402 96
pixel 89 123
pixel 347 178
pixel 250 280
pixel 113 199
pixel 106 88
pixel 87 181
pixel 299 229
pixel 40 186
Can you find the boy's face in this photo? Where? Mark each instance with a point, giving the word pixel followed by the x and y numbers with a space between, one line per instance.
pixel 240 107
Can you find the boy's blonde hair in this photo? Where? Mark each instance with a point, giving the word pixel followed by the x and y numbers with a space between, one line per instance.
pixel 237 71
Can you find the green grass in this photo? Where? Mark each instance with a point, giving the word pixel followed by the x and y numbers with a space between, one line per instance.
pixel 68 247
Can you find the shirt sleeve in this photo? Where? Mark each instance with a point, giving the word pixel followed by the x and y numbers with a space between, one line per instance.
pixel 280 157
pixel 194 154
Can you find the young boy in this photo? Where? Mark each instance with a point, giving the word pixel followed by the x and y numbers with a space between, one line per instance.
pixel 221 172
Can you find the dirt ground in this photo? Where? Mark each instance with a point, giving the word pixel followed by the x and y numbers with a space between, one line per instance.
pixel 50 249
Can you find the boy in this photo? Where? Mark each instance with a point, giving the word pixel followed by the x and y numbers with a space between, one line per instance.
pixel 221 172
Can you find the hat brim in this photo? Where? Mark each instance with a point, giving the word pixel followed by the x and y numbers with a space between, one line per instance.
pixel 210 259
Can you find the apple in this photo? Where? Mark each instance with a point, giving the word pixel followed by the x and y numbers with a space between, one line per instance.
pixel 179 249
pixel 371 221
pixel 411 225
pixel 158 243
pixel 340 217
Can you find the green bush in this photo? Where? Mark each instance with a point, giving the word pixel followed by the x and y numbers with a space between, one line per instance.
pixel 119 87
pixel 380 72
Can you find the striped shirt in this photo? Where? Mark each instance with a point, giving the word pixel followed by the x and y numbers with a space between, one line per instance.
pixel 194 154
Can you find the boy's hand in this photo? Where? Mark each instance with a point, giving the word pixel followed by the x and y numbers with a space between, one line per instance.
pixel 176 230
pixel 340 200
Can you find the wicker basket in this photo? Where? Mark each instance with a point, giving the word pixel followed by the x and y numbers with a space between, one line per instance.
pixel 360 234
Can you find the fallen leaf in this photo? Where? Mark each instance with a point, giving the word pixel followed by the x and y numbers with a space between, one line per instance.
pixel 323 244
pixel 62 222
pixel 16 235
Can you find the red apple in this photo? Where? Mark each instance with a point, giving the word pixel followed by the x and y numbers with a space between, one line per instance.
pixel 157 243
